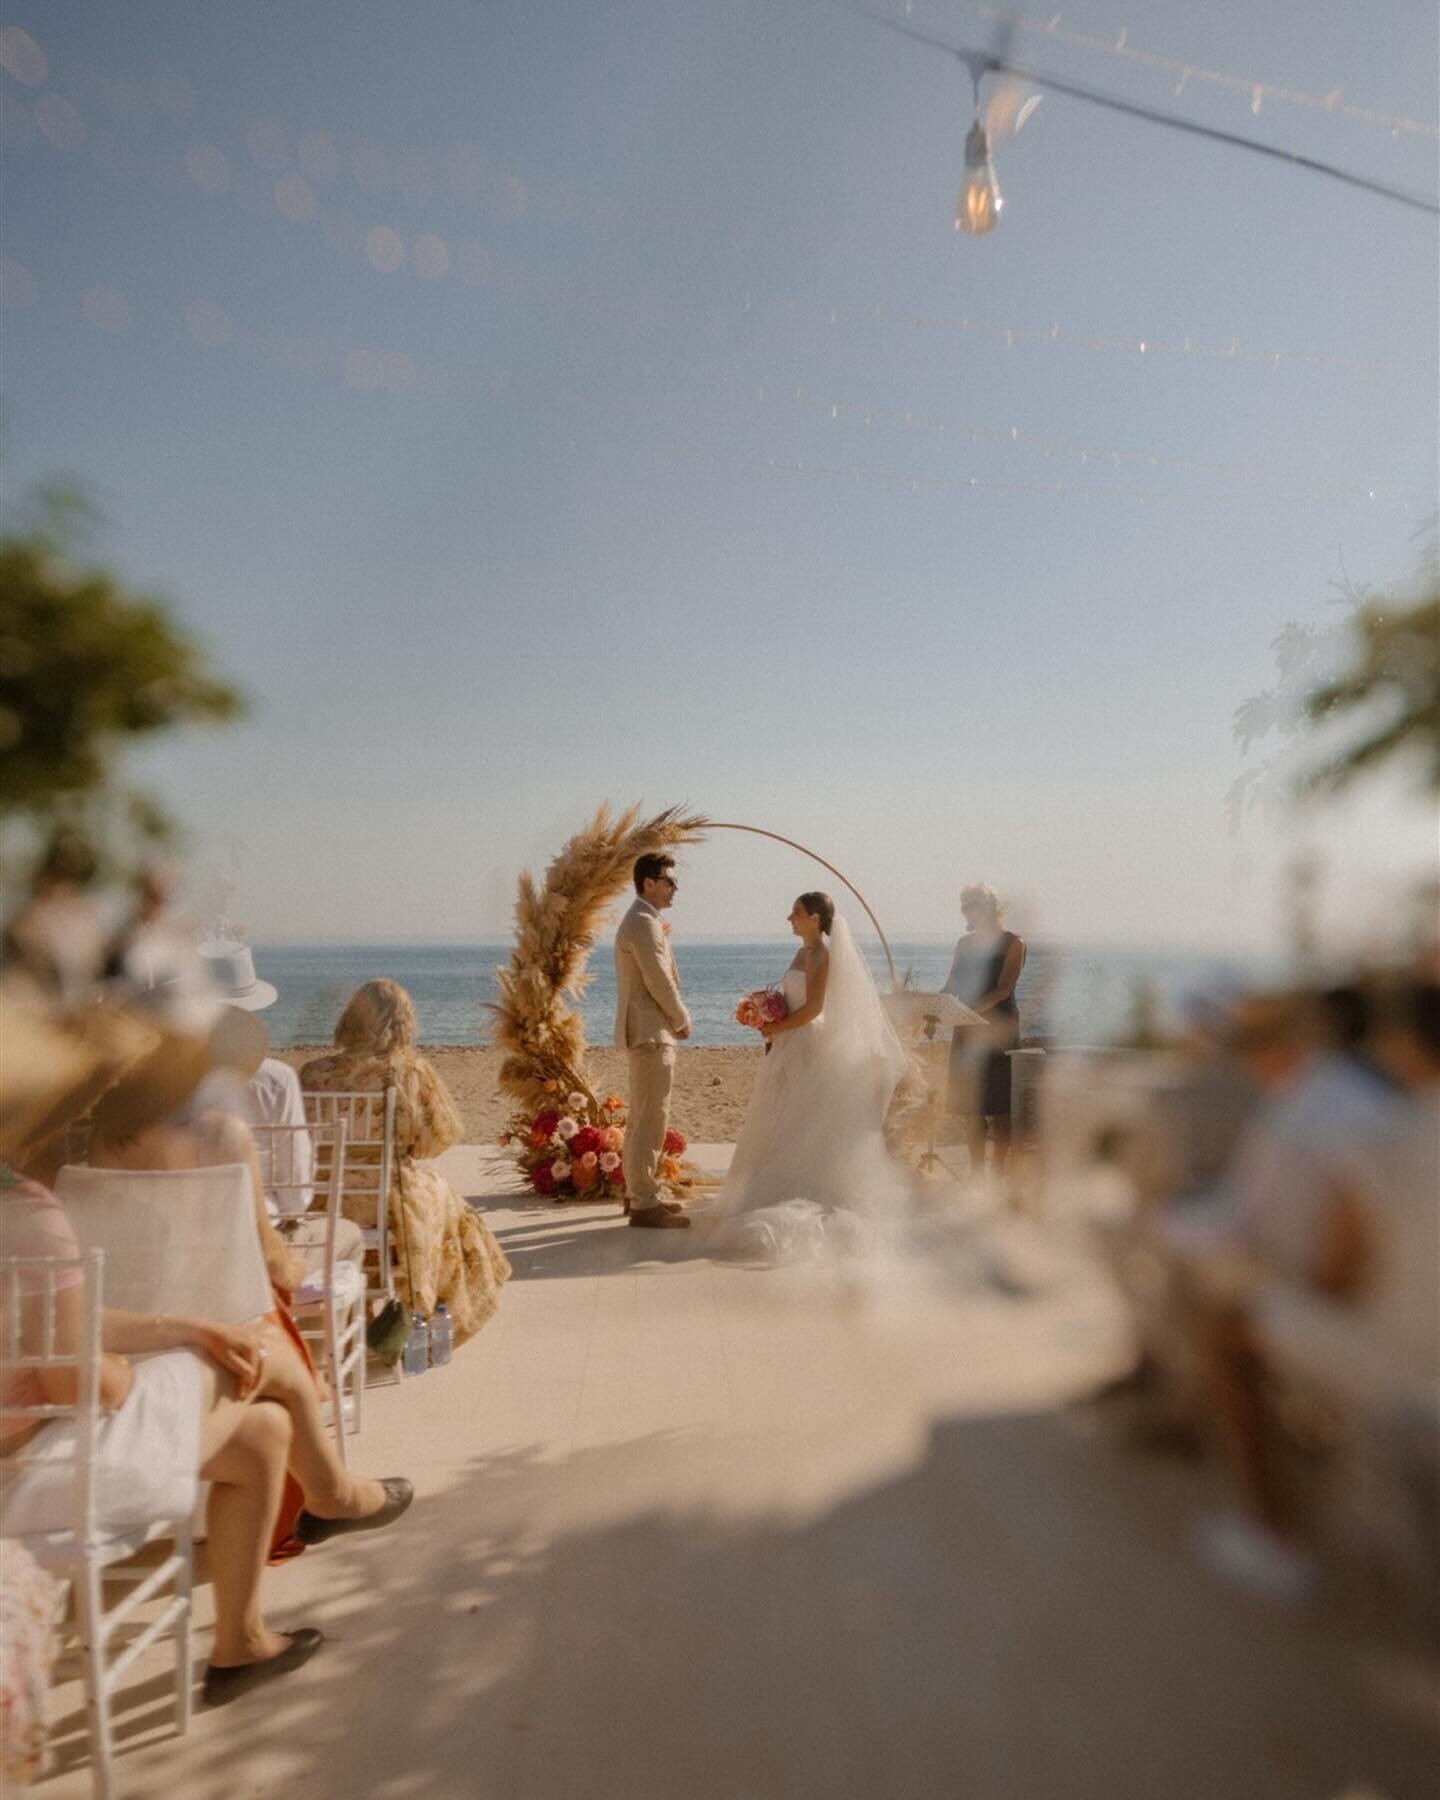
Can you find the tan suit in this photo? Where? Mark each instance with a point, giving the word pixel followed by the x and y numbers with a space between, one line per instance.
pixel 648 1013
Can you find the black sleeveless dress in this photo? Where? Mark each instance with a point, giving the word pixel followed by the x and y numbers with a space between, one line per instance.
pixel 975 972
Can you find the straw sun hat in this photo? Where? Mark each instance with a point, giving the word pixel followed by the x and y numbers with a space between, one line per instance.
pixel 54 1067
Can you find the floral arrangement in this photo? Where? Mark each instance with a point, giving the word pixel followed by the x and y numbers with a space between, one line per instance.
pixel 577 1153
pixel 766 1006
pixel 571 1149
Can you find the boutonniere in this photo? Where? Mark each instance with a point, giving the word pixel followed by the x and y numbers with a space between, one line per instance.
pixel 666 927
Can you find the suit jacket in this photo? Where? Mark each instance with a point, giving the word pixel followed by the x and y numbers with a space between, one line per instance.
pixel 648 1007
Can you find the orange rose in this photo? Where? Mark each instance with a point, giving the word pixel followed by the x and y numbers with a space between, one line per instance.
pixel 669 1169
pixel 612 1137
pixel 613 1103
pixel 584 1172
pixel 539 1139
pixel 551 1087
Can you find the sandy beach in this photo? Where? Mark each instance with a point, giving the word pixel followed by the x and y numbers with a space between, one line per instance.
pixel 712 1086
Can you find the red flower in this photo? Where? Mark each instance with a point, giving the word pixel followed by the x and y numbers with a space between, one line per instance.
pixel 586 1141
pixel 542 1180
pixel 675 1144
pixel 545 1122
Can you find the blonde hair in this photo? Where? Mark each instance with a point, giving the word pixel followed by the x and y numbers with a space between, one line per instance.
pixel 980 893
pixel 380 1016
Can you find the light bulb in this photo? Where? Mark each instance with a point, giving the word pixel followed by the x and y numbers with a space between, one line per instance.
pixel 978 208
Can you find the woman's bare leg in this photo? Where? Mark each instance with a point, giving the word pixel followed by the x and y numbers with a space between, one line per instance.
pixel 247 1477
pixel 331 1491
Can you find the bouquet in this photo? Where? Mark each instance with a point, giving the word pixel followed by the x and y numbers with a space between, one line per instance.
pixel 766 1006
pixel 570 1149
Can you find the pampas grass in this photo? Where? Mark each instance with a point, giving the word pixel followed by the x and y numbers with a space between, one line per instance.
pixel 556 925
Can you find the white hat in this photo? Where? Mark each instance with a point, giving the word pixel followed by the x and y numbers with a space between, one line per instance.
pixel 231 968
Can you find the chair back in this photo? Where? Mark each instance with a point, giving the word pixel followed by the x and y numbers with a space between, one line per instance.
pixel 289 1153
pixel 30 1287
pixel 287 1157
pixel 175 1240
pixel 369 1120
pixel 286 1154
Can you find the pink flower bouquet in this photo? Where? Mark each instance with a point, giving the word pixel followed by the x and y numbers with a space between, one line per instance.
pixel 766 1006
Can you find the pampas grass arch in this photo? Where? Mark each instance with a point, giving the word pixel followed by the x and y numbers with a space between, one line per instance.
pixel 556 925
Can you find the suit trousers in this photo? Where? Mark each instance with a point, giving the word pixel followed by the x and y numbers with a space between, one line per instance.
pixel 652 1075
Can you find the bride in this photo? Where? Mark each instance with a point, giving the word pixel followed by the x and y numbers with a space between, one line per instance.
pixel 811 1174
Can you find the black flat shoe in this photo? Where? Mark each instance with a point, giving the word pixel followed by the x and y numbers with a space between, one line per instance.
pixel 398 1495
pixel 224 1685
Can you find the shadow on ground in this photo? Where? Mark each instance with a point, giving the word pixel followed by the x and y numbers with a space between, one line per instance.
pixel 1015 1618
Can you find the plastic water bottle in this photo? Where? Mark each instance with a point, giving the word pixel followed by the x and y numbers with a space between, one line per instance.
pixel 417 1346
pixel 441 1337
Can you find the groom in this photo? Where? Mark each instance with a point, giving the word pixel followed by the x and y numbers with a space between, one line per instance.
pixel 649 1017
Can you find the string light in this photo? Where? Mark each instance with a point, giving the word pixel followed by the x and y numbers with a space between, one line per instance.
pixel 968 484
pixel 908 420
pixel 1256 92
pixel 1010 335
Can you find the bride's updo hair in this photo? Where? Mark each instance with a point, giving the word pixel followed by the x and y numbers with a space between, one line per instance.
pixel 821 907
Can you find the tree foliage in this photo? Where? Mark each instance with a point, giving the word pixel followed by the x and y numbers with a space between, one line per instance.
pixel 1392 687
pixel 88 666
pixel 1377 664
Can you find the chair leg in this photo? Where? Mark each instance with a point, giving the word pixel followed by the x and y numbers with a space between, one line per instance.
pixel 332 1369
pixel 184 1650
pixel 90 1607
pixel 359 1372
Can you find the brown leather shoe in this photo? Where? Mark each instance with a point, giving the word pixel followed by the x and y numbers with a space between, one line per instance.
pixel 673 1206
pixel 660 1218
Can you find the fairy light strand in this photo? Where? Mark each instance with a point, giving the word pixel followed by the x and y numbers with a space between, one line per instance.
pixel 971 484
pixel 1233 351
pixel 907 419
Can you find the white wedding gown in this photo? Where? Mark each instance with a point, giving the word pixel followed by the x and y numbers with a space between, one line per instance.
pixel 811 1178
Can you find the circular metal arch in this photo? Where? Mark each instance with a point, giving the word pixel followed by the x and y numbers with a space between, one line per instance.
pixel 756 831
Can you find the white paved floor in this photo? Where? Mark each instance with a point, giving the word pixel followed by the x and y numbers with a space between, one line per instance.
pixel 688 1531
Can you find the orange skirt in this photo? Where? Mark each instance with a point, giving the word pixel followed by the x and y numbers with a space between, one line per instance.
pixel 283 1542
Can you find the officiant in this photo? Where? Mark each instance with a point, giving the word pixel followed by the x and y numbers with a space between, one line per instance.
pixel 983 975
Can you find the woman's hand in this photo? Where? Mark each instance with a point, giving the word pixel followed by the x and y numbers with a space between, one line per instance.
pixel 239 1349
pixel 117 1378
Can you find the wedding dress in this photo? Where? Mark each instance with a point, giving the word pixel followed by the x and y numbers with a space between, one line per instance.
pixel 811 1177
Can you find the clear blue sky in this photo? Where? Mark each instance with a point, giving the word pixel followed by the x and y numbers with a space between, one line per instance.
pixel 580 502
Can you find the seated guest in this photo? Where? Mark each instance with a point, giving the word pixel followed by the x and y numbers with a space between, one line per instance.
pixel 1367 1322
pixel 229 1404
pixel 1292 1226
pixel 1318 1098
pixel 147 1121
pixel 445 1250
pixel 56 938
pixel 155 947
pixel 271 1096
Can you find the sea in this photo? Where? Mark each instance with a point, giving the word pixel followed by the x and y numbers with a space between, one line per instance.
pixel 1068 995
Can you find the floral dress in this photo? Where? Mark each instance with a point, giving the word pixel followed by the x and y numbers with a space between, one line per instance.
pixel 452 1252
